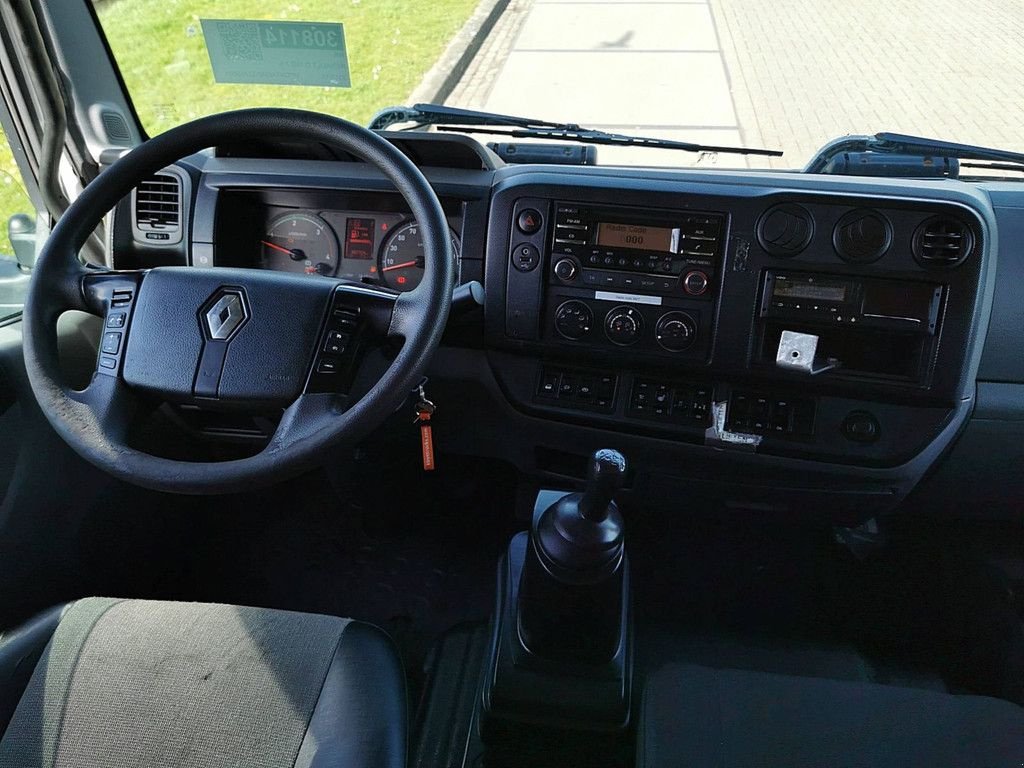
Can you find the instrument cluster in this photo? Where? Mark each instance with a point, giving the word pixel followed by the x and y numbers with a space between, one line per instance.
pixel 383 248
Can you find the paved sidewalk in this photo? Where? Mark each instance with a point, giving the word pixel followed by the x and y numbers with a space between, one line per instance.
pixel 832 67
pixel 644 68
pixel 787 74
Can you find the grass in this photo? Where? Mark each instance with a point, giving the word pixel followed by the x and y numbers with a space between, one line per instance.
pixel 13 198
pixel 159 48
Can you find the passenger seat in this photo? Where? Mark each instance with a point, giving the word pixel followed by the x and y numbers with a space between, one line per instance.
pixel 728 718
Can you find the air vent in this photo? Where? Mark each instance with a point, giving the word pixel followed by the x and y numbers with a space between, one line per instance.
pixel 862 236
pixel 156 209
pixel 785 229
pixel 942 241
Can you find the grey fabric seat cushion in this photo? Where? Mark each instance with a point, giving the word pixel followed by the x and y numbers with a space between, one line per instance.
pixel 125 683
pixel 726 718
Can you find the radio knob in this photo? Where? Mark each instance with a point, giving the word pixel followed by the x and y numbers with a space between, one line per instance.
pixel 622 326
pixel 573 320
pixel 565 270
pixel 695 283
pixel 675 331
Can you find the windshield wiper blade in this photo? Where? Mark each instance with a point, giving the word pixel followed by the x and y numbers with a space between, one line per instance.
pixel 884 144
pixel 917 144
pixel 454 119
pixel 594 136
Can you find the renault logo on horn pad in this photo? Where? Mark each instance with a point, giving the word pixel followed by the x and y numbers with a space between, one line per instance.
pixel 226 315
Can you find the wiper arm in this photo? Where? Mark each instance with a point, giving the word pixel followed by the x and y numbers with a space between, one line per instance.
pixel 883 144
pixel 437 114
pixel 458 120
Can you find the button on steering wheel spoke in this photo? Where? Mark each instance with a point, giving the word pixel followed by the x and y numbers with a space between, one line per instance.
pixel 112 296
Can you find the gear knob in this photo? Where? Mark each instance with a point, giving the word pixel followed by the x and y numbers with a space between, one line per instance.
pixel 605 476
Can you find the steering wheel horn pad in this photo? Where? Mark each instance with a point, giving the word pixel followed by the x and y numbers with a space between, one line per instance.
pixel 173 353
pixel 168 349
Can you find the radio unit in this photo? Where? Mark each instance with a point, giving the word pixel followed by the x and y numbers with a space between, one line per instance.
pixel 895 305
pixel 636 250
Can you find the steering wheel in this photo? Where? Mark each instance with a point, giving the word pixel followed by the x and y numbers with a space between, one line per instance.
pixel 231 338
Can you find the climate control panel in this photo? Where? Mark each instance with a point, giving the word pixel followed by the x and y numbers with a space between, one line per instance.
pixel 625 325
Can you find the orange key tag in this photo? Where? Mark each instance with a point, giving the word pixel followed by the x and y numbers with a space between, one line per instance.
pixel 424 410
pixel 426 441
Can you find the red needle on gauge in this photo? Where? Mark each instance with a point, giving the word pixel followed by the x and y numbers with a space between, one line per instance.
pixel 403 265
pixel 277 247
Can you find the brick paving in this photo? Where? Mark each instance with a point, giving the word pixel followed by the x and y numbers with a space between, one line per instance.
pixel 803 71
pixel 789 74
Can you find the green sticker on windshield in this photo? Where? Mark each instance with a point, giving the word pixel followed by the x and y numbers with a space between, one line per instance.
pixel 277 52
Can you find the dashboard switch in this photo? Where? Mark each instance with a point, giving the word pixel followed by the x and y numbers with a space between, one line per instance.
pixel 529 221
pixel 861 427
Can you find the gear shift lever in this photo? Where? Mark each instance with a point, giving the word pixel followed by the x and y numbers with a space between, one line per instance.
pixel 605 476
pixel 563 630
pixel 570 597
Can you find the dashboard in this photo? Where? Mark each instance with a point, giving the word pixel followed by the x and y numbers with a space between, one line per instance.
pixel 775 341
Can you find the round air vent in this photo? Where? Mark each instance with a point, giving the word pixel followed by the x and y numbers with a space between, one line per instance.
pixel 942 241
pixel 862 236
pixel 785 229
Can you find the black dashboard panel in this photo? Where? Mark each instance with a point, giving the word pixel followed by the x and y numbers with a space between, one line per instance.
pixel 896 336
pixel 646 308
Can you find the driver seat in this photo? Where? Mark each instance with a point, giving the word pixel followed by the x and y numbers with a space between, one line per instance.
pixel 106 682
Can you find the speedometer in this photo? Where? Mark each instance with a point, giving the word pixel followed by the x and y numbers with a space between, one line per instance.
pixel 401 256
pixel 300 242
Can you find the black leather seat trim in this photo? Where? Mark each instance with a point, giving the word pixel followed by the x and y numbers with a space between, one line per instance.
pixel 20 651
pixel 361 717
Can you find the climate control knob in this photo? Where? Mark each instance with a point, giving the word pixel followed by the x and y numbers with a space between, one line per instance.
pixel 565 270
pixel 573 320
pixel 623 325
pixel 675 331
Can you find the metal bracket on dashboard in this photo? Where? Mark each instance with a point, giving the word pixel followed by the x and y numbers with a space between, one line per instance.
pixel 797 352
pixel 718 436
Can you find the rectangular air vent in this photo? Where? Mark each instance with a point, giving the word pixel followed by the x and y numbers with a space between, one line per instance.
pixel 157 209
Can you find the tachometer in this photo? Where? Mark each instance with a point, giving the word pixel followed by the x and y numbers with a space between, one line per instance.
pixel 300 242
pixel 401 256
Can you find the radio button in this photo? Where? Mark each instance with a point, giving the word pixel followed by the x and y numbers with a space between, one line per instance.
pixel 570 235
pixel 529 221
pixel 695 283
pixel 565 270
pixel 675 331
pixel 665 284
pixel 623 325
pixel 698 247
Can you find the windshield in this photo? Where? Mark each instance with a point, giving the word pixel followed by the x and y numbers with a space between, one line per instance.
pixel 761 73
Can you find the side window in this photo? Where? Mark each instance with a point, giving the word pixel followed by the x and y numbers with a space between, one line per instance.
pixel 17 233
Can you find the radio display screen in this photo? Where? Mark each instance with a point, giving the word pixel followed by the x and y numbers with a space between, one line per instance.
pixel 817 291
pixel 638 237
